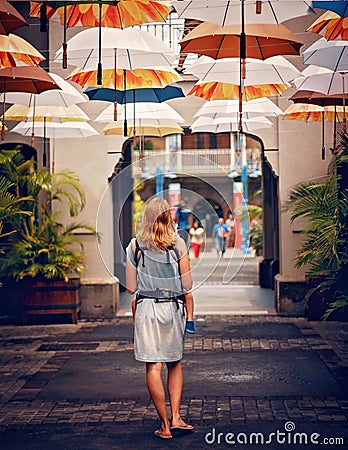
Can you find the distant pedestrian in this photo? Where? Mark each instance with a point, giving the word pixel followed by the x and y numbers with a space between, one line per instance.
pixel 230 224
pixel 158 270
pixel 197 237
pixel 220 232
pixel 183 217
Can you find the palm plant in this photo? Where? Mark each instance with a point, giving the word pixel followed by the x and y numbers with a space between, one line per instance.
pixel 325 248
pixel 256 228
pixel 38 245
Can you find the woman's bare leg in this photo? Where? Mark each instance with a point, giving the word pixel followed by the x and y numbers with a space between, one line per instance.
pixel 174 384
pixel 157 392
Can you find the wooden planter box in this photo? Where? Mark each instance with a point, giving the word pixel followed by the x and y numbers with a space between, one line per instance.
pixel 47 298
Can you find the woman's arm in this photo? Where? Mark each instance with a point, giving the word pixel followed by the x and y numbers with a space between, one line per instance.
pixel 131 275
pixel 185 267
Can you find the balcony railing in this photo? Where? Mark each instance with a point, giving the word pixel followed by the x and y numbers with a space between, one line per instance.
pixel 193 161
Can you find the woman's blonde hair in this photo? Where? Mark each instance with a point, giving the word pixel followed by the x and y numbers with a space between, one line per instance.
pixel 157 231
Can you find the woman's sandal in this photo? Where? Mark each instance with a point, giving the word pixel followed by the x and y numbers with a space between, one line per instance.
pixel 185 427
pixel 159 433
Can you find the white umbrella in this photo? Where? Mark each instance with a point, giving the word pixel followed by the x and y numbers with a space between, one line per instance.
pixel 331 83
pixel 227 12
pixel 275 70
pixel 124 49
pixel 65 96
pixel 228 124
pixel 252 108
pixel 39 113
pixel 56 130
pixel 330 54
pixel 142 110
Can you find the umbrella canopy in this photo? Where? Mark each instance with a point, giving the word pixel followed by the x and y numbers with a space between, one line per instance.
pixel 26 79
pixel 227 12
pixel 10 19
pixel 126 49
pixel 228 124
pixel 120 14
pixel 143 128
pixel 221 108
pixel 262 41
pixel 138 78
pixel 15 51
pixel 312 113
pixel 141 111
pixel 39 113
pixel 331 26
pixel 317 98
pixel 56 130
pixel 225 91
pixel 275 70
pixel 63 94
pixel 331 83
pixel 337 6
pixel 154 95
pixel 330 54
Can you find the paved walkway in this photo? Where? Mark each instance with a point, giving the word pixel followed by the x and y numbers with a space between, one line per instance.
pixel 78 387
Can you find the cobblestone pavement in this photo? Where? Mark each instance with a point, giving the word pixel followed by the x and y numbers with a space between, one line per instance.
pixel 59 381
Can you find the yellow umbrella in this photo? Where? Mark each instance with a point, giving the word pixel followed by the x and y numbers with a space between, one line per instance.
pixel 143 128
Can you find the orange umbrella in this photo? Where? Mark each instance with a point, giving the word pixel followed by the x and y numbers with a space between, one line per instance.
pixel 331 26
pixel 10 19
pixel 215 90
pixel 101 13
pixel 136 78
pixel 262 41
pixel 314 113
pixel 120 14
pixel 16 51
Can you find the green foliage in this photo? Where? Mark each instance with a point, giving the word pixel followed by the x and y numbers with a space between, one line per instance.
pixel 256 228
pixel 325 247
pixel 147 145
pixel 38 245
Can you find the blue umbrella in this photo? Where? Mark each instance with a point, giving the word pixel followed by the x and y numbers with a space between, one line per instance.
pixel 337 6
pixel 154 95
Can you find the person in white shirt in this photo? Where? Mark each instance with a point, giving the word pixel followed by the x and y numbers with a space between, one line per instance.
pixel 197 237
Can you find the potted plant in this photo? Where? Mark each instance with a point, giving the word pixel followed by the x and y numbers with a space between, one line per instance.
pixel 324 250
pixel 44 255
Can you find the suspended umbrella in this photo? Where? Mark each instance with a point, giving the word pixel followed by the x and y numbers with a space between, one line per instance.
pixel 30 79
pixel 330 54
pixel 154 95
pixel 10 19
pixel 46 113
pixel 56 130
pixel 101 13
pixel 144 128
pixel 274 70
pixel 331 26
pixel 143 110
pixel 156 76
pixel 226 91
pixel 227 12
pixel 222 108
pixel 314 113
pixel 15 51
pixel 228 124
pixel 63 95
pixel 262 41
pixel 340 7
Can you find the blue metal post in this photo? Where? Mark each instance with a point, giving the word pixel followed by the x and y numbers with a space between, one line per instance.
pixel 244 179
pixel 159 182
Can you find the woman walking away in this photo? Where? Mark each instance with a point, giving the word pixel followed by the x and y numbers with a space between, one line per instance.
pixel 158 270
pixel 197 237
pixel 220 231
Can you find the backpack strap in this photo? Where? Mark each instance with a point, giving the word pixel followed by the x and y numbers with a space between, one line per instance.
pixel 138 250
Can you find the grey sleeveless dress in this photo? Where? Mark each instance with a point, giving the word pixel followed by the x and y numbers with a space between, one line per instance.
pixel 159 326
